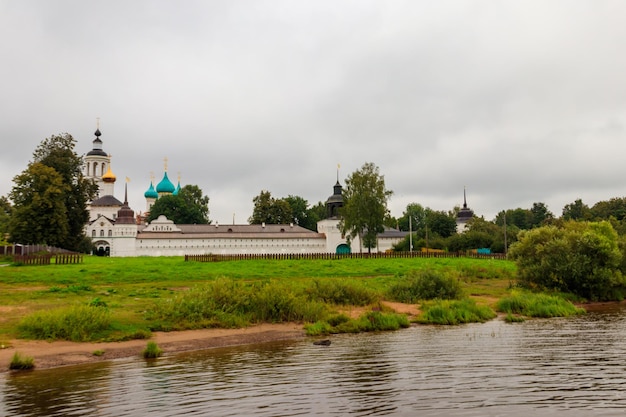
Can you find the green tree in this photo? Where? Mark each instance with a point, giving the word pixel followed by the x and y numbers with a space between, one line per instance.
pixel 417 215
pixel 189 206
pixel 615 207
pixel 576 211
pixel 365 205
pixel 299 211
pixel 315 214
pixel 519 217
pixel 440 223
pixel 5 216
pixel 39 213
pixel 582 258
pixel 57 152
pixel 269 210
pixel 540 214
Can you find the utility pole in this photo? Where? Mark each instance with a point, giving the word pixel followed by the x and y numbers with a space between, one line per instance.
pixel 410 235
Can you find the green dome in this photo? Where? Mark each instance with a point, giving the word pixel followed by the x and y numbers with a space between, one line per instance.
pixel 165 186
pixel 151 193
pixel 177 189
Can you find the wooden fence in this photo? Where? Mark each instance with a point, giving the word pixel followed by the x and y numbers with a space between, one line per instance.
pixel 331 256
pixel 46 259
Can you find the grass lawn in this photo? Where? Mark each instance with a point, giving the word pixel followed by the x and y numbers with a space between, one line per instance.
pixel 129 287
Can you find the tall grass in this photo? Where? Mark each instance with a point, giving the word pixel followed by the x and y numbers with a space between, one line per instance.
pixel 426 284
pixel 537 305
pixel 76 323
pixel 229 303
pixel 20 363
pixel 152 351
pixel 368 322
pixel 342 292
pixel 455 312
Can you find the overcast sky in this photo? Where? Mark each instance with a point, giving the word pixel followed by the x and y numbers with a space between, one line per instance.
pixel 519 101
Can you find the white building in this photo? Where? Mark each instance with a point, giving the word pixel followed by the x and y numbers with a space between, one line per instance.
pixel 115 231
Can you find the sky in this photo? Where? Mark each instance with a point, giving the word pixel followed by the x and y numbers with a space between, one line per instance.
pixel 514 101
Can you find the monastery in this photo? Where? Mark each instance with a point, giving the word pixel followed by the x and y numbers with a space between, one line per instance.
pixel 116 231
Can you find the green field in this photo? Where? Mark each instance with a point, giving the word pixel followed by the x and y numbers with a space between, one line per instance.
pixel 136 292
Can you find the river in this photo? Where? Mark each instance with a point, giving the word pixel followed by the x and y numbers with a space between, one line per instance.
pixel 547 367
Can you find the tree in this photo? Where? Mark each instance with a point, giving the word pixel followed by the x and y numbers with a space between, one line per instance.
pixel 365 205
pixel 299 210
pixel 269 210
pixel 57 153
pixel 316 213
pixel 417 215
pixel 576 211
pixel 189 206
pixel 582 258
pixel 5 216
pixel 39 214
pixel 540 214
pixel 440 223
pixel 615 207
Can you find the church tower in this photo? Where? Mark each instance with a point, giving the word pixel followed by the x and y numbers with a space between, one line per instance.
pixel 335 241
pixel 97 164
pixel 464 215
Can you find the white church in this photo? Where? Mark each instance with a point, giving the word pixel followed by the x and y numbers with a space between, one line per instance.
pixel 116 231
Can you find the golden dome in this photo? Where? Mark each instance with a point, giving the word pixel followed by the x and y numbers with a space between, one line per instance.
pixel 109 176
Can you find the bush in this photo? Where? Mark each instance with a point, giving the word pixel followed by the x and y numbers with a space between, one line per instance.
pixel 455 312
pixel 425 285
pixel 368 322
pixel 76 323
pixel 152 351
pixel 582 258
pixel 537 305
pixel 19 362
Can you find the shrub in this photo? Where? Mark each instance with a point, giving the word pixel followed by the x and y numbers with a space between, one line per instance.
pixel 425 285
pixel 152 351
pixel 455 312
pixel 97 302
pixel 19 362
pixel 75 323
pixel 537 305
pixel 582 258
pixel 510 318
pixel 368 322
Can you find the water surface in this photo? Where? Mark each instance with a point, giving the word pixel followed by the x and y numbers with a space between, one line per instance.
pixel 574 366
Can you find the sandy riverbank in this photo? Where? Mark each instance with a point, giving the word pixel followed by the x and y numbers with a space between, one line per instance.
pixel 61 353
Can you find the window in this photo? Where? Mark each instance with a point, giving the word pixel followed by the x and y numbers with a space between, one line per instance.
pixel 110 233
pixel 93 233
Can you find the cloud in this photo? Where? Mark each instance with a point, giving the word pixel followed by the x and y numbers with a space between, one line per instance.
pixel 518 101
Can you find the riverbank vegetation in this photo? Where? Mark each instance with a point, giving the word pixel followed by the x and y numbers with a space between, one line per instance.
pixel 127 298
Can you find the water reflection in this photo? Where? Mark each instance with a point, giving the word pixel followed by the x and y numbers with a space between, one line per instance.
pixel 571 366
pixel 59 393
